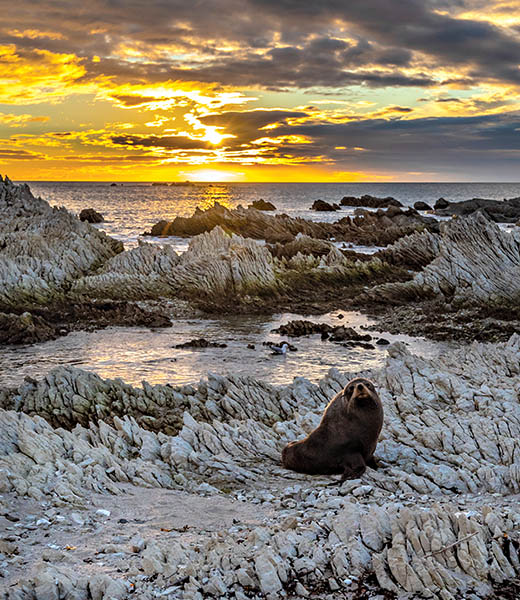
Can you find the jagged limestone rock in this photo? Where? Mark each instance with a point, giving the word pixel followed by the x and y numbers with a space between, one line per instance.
pixel 439 518
pixel 476 264
pixel 43 249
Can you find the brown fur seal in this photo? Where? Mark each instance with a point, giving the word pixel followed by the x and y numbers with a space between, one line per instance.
pixel 345 440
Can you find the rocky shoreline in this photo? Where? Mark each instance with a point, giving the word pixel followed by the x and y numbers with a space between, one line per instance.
pixel 80 456
pixel 58 273
pixel 438 519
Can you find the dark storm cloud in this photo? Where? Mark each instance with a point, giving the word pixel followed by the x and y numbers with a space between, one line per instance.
pixel 247 125
pixel 445 144
pixel 385 34
pixel 16 154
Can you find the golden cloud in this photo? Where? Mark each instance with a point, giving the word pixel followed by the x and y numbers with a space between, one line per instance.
pixel 20 120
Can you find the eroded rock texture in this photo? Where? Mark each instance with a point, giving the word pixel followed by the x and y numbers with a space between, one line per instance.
pixel 43 249
pixel 476 264
pixel 374 228
pixel 439 519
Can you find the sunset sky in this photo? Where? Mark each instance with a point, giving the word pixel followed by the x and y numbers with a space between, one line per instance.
pixel 260 90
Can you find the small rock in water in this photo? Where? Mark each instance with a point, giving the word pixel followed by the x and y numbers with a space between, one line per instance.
pixel 382 342
pixel 91 216
pixel 200 343
pixel 251 346
pixel 422 206
pixel 262 205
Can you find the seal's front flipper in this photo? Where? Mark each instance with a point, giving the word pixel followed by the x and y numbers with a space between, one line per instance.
pixel 372 463
pixel 354 467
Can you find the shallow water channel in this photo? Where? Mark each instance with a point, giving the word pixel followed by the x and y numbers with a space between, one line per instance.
pixel 137 354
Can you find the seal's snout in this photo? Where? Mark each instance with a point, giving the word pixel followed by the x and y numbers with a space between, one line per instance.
pixel 361 391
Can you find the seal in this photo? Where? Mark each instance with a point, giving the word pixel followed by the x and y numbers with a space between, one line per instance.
pixel 345 440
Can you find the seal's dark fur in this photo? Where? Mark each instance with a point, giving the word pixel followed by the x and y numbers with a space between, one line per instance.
pixel 345 440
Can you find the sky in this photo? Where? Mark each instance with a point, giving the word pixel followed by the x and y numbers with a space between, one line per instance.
pixel 260 90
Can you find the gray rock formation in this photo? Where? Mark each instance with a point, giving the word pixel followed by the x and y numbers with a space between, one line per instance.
pixel 476 264
pixel 43 249
pixel 439 518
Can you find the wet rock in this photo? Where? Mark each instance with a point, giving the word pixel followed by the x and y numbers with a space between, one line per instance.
pixel 500 211
pixel 382 342
pixel 337 333
pixel 422 206
pixel 370 201
pixel 321 205
pixel 262 205
pixel 25 329
pixel 201 343
pixel 441 203
pixel 91 216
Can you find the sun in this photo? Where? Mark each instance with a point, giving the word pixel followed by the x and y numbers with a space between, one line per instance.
pixel 213 175
pixel 213 136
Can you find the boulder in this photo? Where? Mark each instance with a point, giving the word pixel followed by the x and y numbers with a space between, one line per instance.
pixel 91 216
pixel 322 206
pixel 422 206
pixel 262 205
pixel 370 201
pixel 441 204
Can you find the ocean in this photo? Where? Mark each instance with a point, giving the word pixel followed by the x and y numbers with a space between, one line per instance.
pixel 130 209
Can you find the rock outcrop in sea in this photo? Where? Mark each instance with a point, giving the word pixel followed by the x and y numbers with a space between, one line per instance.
pixel 53 266
pixel 378 228
pixel 501 211
pixel 439 519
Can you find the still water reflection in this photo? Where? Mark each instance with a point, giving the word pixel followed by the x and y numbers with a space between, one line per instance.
pixel 137 354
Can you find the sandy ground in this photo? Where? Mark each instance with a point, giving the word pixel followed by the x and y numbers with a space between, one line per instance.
pixel 31 532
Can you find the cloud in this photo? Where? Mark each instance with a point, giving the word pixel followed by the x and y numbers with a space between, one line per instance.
pixel 441 143
pixel 21 120
pixel 167 142
pixel 275 44
pixel 17 154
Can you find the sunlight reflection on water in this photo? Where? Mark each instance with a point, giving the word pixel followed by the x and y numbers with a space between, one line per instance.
pixel 137 354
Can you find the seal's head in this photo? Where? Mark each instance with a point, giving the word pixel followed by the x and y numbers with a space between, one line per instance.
pixel 360 391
